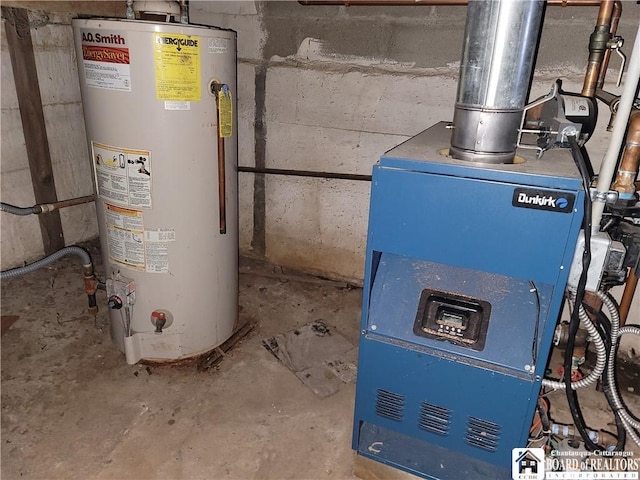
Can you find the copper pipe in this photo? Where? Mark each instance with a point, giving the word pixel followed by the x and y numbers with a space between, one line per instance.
pixel 628 169
pixel 605 13
pixel 598 46
pixel 50 207
pixel 627 295
pixel 222 194
pixel 615 19
pixel 222 179
pixel 593 301
pixel 408 3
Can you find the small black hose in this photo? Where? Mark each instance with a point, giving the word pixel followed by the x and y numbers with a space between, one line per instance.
pixel 544 416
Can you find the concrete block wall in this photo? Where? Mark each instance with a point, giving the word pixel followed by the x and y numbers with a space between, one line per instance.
pixel 324 88
pixel 335 87
pixel 345 84
pixel 57 74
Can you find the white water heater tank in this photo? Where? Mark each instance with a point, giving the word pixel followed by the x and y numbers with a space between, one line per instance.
pixel 159 102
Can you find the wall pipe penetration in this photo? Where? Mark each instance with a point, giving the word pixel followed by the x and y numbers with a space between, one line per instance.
pixel 305 173
pixel 44 207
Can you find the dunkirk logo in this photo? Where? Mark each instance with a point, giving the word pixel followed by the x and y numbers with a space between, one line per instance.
pixel 543 199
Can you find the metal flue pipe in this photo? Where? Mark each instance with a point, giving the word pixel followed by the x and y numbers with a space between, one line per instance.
pixel 500 42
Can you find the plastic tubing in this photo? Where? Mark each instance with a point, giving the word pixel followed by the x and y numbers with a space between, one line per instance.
pixel 73 250
pixel 601 361
pixel 22 211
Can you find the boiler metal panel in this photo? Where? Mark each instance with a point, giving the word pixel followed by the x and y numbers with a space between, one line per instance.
pixel 517 312
pixel 478 415
pixel 439 224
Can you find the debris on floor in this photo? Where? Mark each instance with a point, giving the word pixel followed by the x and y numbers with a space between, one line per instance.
pixel 7 321
pixel 214 357
pixel 320 357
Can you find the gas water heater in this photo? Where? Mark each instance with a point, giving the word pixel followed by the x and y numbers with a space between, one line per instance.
pixel 158 102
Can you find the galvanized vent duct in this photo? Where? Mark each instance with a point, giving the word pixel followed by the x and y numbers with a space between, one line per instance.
pixel 499 49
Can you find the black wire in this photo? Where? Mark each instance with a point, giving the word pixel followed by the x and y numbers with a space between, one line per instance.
pixel 534 346
pixel 608 384
pixel 587 162
pixel 572 397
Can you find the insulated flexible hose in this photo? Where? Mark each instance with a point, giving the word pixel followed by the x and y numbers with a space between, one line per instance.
pixel 632 329
pixel 630 422
pixel 73 250
pixel 601 361
pixel 22 211
pixel 90 283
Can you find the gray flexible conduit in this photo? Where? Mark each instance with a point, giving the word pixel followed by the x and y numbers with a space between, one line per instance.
pixel 629 422
pixel 73 250
pixel 22 211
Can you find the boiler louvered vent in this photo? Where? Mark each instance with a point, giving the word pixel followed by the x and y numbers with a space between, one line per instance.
pixel 390 405
pixel 483 434
pixel 434 418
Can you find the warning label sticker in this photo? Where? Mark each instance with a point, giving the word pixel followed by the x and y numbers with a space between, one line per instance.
pixel 177 67
pixel 125 236
pixel 106 60
pixel 131 245
pixel 225 112
pixel 123 175
pixel 157 249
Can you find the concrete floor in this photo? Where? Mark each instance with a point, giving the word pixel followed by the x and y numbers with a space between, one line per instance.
pixel 73 409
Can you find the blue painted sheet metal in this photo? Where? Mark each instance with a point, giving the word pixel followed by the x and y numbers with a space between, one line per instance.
pixel 469 223
pixel 417 457
pixel 464 392
pixel 423 153
pixel 514 309
pixel 439 223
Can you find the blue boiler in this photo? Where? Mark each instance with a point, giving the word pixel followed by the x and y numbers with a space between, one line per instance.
pixel 466 267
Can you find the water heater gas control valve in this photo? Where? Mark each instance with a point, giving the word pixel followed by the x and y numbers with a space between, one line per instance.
pixel 121 292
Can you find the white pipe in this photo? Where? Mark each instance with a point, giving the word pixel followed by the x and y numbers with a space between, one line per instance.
pixel 607 170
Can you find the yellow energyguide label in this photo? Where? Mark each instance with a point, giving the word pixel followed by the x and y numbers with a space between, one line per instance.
pixel 177 67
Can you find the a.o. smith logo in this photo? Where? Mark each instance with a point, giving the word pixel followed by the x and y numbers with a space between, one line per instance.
pixel 539 199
